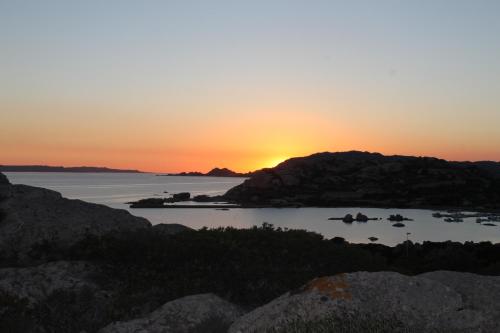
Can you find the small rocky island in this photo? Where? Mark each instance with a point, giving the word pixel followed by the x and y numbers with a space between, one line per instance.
pixel 215 172
pixel 71 266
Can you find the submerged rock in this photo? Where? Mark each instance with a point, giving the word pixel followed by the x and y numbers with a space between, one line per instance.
pixel 421 303
pixel 197 313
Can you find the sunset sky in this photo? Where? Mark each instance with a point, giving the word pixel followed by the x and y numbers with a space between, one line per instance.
pixel 189 85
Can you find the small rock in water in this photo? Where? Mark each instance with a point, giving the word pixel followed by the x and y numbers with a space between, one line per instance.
pixel 373 239
pixel 182 196
pixel 398 225
pixel 361 218
pixel 348 218
pixel 398 218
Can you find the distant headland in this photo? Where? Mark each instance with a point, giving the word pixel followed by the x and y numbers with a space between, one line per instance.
pixel 46 168
pixel 215 172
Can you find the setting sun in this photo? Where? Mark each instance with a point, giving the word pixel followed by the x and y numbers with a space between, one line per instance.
pixel 275 161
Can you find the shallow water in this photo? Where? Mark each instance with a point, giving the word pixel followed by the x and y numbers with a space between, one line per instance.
pixel 114 190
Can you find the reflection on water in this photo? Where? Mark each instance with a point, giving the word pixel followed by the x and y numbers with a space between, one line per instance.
pixel 116 189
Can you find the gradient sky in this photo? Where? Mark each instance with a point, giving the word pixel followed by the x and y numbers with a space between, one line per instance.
pixel 189 85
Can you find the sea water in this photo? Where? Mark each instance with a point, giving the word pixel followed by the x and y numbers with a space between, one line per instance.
pixel 116 189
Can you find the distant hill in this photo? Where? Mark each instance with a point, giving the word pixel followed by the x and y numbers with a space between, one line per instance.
pixel 215 172
pixel 370 179
pixel 45 168
pixel 224 172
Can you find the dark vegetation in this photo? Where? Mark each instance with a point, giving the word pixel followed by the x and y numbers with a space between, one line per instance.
pixel 253 266
pixel 250 267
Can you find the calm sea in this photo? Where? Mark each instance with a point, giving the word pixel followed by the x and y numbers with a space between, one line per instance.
pixel 114 190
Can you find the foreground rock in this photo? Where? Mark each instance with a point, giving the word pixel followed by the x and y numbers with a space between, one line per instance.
pixel 370 179
pixel 479 294
pixel 55 297
pixel 199 313
pixel 37 283
pixel 434 301
pixel 32 216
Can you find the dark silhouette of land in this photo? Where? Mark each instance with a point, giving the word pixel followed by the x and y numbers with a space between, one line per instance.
pixel 362 179
pixel 215 172
pixel 46 168
pixel 370 179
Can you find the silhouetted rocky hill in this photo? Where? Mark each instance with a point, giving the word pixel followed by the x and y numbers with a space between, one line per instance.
pixel 371 179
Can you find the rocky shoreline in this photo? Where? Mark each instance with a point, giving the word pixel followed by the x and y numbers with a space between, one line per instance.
pixel 71 266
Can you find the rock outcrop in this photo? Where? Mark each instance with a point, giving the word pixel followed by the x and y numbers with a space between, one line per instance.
pixel 223 172
pixel 3 179
pixel 37 283
pixel 62 296
pixel 479 294
pixel 434 301
pixel 197 313
pixel 370 179
pixel 170 228
pixel 32 216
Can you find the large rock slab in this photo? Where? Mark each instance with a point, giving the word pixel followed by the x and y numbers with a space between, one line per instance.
pixel 198 313
pixel 37 283
pixel 419 303
pixel 479 293
pixel 32 215
pixel 64 296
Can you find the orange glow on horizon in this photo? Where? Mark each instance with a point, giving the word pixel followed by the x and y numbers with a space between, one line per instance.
pixel 257 137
